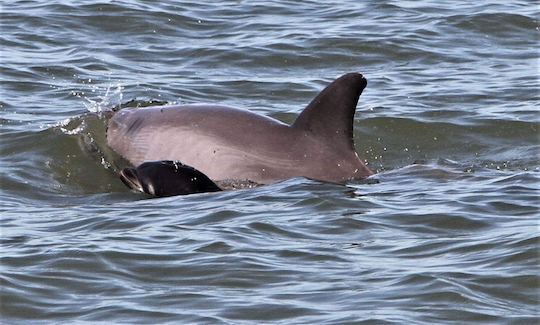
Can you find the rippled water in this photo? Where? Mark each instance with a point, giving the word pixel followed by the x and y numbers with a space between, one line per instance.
pixel 446 232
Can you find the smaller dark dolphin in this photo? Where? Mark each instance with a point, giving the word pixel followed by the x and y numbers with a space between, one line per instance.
pixel 167 178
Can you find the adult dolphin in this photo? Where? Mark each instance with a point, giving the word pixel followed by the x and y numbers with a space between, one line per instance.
pixel 226 143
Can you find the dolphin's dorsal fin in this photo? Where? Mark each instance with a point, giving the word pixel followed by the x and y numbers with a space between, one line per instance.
pixel 330 115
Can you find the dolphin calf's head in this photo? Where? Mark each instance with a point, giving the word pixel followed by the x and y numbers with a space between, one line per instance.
pixel 167 178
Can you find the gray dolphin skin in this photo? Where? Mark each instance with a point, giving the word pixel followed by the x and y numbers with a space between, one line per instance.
pixel 226 143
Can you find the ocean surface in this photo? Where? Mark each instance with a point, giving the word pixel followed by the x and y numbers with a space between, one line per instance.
pixel 446 232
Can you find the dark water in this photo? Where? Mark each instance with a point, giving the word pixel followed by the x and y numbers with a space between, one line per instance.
pixel 446 232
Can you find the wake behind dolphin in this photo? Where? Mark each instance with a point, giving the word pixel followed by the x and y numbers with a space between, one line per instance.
pixel 224 143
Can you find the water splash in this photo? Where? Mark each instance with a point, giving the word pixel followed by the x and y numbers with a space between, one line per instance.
pixel 113 97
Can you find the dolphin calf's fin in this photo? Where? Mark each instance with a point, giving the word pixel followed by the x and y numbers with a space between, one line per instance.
pixel 167 178
pixel 330 114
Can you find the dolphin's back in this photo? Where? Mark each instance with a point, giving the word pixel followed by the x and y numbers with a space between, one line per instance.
pixel 222 142
pixel 232 144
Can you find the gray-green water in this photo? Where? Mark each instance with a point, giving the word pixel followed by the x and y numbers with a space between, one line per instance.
pixel 446 232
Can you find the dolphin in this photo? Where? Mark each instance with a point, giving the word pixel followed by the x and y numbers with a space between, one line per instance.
pixel 167 178
pixel 226 143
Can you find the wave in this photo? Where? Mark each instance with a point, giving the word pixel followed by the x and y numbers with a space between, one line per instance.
pixel 72 157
